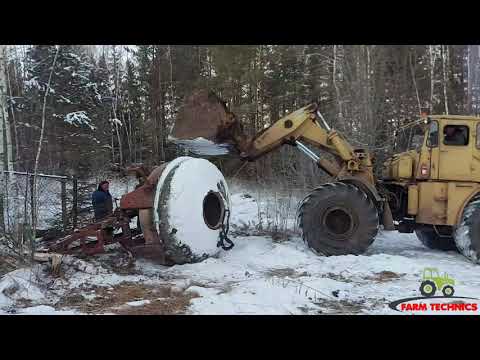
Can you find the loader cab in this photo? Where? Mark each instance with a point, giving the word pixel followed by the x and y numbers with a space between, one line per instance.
pixel 410 138
pixel 409 144
pixel 451 149
pixel 437 147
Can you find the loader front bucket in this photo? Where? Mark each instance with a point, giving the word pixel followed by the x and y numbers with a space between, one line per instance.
pixel 205 126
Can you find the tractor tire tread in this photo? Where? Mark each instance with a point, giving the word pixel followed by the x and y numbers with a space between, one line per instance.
pixel 467 233
pixel 348 194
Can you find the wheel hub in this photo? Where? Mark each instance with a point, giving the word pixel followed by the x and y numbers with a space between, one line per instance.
pixel 338 221
pixel 213 210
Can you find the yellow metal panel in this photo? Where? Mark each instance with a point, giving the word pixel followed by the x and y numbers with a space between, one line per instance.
pixel 456 161
pixel 413 200
pixel 405 166
pixel 440 203
pixel 434 163
pixel 432 208
pixel 458 193
pixel 476 153
pixel 454 117
pixel 395 168
pixel 341 145
pixel 440 191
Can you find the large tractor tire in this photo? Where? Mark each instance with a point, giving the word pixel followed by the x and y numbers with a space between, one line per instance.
pixel 429 237
pixel 190 209
pixel 338 219
pixel 467 234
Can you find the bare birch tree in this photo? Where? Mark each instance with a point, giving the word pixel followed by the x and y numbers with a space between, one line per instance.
pixel 432 75
pixel 335 85
pixel 412 71
pixel 39 150
pixel 116 120
pixel 469 79
pixel 6 141
pixel 3 116
pixel 444 68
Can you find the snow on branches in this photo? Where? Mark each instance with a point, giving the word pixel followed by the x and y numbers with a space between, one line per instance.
pixel 78 118
pixel 116 122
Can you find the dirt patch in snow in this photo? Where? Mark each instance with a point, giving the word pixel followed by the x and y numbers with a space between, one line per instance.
pixel 336 277
pixel 162 300
pixel 286 272
pixel 118 262
pixel 252 229
pixel 344 307
pixel 170 306
pixel 384 276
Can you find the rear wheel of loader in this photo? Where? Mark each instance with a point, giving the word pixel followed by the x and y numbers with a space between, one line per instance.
pixel 429 237
pixel 338 219
pixel 467 234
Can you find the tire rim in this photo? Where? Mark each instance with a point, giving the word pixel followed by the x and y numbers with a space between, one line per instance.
pixel 448 291
pixel 428 288
pixel 338 221
pixel 213 210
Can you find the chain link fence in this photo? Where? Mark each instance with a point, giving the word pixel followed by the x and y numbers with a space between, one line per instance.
pixel 63 203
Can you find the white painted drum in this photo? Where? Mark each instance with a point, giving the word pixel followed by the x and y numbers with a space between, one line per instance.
pixel 189 208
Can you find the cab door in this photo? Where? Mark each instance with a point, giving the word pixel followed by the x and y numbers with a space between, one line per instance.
pixel 476 155
pixel 433 149
pixel 455 157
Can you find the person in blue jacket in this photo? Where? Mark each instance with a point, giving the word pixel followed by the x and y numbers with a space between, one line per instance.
pixel 102 201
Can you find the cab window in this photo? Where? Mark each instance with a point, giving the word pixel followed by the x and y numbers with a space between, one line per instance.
pixel 432 139
pixel 411 138
pixel 456 135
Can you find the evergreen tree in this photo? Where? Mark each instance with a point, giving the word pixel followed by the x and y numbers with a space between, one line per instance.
pixel 118 105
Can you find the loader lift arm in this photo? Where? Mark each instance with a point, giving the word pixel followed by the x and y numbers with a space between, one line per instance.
pixel 304 125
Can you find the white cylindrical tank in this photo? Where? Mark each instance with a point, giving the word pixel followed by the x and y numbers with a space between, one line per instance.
pixel 191 206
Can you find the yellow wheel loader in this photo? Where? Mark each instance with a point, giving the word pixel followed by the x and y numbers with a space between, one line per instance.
pixel 431 187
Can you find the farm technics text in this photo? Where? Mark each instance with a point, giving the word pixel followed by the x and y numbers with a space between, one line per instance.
pixel 439 307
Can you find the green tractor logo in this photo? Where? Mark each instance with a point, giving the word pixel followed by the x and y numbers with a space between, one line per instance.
pixel 432 281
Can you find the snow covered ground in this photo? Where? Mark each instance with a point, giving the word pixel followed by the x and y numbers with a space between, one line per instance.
pixel 263 274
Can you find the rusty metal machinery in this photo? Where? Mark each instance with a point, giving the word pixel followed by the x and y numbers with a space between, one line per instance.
pixel 182 207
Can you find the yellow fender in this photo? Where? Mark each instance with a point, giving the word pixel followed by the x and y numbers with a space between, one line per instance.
pixel 465 203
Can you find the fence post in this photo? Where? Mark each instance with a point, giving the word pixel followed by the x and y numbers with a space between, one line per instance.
pixel 2 217
pixel 64 205
pixel 32 206
pixel 75 202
